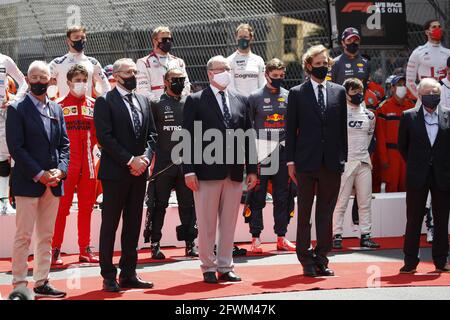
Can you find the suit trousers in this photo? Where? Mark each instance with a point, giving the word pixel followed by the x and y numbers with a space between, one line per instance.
pixel 31 213
pixel 217 206
pixel 415 210
pixel 124 199
pixel 325 185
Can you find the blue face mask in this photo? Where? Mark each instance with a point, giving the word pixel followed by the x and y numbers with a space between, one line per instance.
pixel 431 101
pixel 243 43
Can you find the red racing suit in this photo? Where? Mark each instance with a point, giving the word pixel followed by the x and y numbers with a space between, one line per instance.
pixel 79 117
pixel 386 132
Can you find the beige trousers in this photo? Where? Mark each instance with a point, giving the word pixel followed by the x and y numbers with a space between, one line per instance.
pixel 217 207
pixel 39 213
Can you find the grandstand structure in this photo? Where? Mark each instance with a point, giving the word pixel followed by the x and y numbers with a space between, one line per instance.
pixel 35 29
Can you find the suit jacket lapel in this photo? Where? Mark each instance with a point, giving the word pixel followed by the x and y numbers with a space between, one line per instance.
pixel 313 95
pixel 122 107
pixel 54 123
pixel 234 103
pixel 215 105
pixel 443 124
pixel 36 116
pixel 144 110
pixel 422 127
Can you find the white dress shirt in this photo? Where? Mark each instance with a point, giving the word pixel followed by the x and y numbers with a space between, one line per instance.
pixel 316 89
pixel 219 98
pixel 123 93
pixel 431 124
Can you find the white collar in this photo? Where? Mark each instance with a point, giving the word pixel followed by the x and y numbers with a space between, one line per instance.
pixel 316 84
pixel 216 90
pixel 432 114
pixel 122 91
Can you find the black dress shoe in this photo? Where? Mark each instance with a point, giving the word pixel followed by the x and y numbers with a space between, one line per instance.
pixel 110 285
pixel 134 283
pixel 229 276
pixel 310 271
pixel 444 269
pixel 408 269
pixel 324 271
pixel 210 277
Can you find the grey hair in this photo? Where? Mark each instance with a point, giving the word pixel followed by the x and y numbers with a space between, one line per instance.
pixel 39 64
pixel 119 63
pixel 428 82
pixel 215 59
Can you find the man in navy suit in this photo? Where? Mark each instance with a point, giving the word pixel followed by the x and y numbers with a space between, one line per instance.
pixel 38 142
pixel 316 148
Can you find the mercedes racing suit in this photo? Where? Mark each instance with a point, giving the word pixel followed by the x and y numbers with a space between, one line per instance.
pixel 79 118
pixel 60 66
pixel 427 61
pixel 168 117
pixel 151 71
pixel 361 126
pixel 268 111
pixel 247 73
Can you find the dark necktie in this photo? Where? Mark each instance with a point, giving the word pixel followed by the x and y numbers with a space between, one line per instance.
pixel 135 116
pixel 226 111
pixel 321 100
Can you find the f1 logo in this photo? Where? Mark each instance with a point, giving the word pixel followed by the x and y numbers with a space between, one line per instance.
pixel 356 6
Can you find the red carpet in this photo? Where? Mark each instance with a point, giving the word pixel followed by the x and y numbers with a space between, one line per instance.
pixel 188 284
pixel 173 254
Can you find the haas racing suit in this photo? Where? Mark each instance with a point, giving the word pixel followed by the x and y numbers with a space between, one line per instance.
pixel 247 72
pixel 361 126
pixel 96 76
pixel 427 61
pixel 268 113
pixel 168 116
pixel 79 117
pixel 389 114
pixel 151 71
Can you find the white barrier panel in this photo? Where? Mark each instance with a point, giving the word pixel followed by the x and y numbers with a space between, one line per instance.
pixel 388 218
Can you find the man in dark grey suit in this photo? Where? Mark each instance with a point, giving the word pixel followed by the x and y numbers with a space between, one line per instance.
pixel 424 142
pixel 217 186
pixel 125 131
pixel 316 147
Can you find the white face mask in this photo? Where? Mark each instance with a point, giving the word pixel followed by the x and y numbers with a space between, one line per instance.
pixel 401 92
pixel 80 88
pixel 223 79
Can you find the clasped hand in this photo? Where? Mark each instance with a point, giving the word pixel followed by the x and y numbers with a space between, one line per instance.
pixel 139 165
pixel 51 178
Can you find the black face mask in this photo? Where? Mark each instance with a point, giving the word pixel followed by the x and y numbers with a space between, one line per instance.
pixel 319 72
pixel 38 89
pixel 353 47
pixel 130 83
pixel 243 43
pixel 177 85
pixel 165 46
pixel 276 83
pixel 79 45
pixel 357 99
pixel 431 101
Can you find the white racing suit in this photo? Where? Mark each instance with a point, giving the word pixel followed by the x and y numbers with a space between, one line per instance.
pixel 247 72
pixel 427 61
pixel 151 71
pixel 358 170
pixel 96 76
pixel 8 67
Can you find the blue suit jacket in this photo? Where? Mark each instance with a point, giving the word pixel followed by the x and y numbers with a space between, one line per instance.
pixel 32 150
